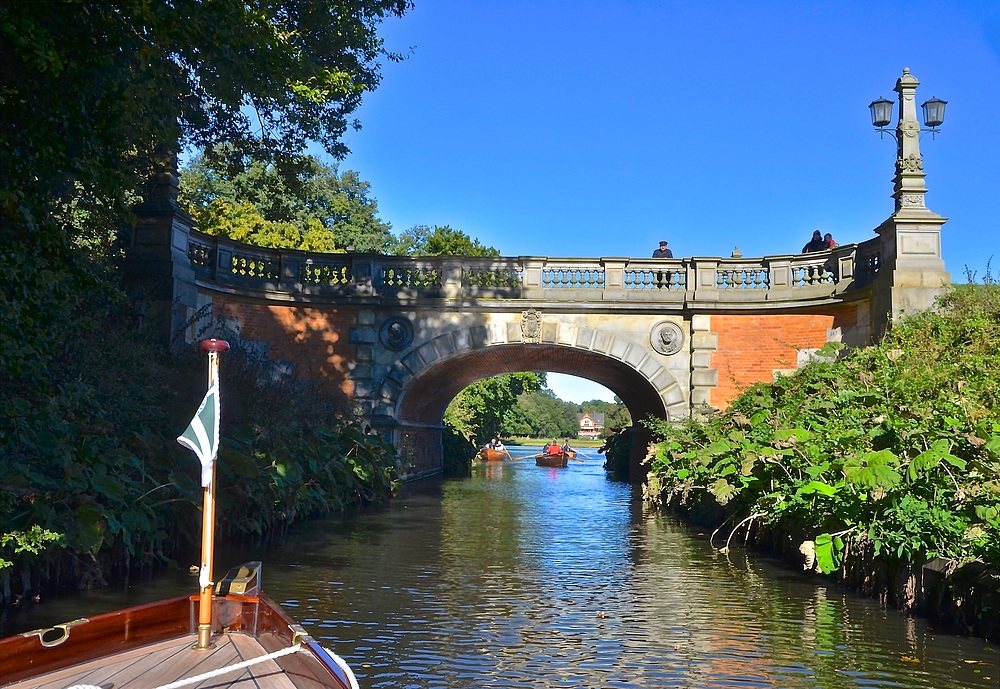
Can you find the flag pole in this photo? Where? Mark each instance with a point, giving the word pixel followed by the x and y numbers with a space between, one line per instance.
pixel 214 348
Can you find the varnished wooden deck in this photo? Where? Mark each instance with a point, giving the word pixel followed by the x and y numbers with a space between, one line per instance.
pixel 169 661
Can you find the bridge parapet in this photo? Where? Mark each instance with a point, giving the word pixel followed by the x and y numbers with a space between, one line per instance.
pixel 288 275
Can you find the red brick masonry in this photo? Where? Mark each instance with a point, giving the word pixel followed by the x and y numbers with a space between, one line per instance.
pixel 753 347
pixel 316 341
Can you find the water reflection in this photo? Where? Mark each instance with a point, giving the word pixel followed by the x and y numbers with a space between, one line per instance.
pixel 524 576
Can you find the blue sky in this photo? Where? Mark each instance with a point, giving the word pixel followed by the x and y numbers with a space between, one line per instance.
pixel 598 127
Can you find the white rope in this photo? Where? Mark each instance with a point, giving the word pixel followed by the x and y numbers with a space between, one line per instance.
pixel 213 673
pixel 230 668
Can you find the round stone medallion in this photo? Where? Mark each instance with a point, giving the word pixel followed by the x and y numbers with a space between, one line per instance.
pixel 667 338
pixel 396 333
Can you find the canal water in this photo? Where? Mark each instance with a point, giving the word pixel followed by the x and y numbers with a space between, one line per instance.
pixel 524 576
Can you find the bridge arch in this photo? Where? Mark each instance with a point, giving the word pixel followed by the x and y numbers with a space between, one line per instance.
pixel 420 385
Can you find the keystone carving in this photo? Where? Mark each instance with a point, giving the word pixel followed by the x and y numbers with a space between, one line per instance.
pixel 667 338
pixel 531 326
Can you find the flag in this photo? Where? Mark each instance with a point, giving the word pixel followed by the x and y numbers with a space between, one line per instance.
pixel 202 434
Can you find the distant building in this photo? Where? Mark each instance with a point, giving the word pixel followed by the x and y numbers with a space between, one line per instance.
pixel 591 424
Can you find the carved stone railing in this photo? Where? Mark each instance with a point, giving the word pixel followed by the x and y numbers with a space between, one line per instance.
pixel 301 276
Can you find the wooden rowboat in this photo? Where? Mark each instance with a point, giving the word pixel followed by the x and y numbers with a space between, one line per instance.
pixel 488 455
pixel 547 460
pixel 153 645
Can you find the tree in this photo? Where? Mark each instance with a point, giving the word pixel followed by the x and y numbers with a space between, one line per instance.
pixel 92 90
pixel 441 240
pixel 546 415
pixel 95 97
pixel 617 419
pixel 297 203
pixel 479 411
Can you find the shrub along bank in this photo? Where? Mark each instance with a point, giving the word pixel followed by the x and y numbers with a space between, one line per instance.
pixel 95 486
pixel 882 466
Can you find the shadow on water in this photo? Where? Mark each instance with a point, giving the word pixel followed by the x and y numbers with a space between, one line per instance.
pixel 525 576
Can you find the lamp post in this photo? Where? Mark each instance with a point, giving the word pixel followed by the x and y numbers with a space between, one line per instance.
pixel 910 270
pixel 908 184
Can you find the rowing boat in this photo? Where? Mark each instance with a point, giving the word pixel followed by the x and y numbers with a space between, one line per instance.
pixel 488 455
pixel 549 460
pixel 254 644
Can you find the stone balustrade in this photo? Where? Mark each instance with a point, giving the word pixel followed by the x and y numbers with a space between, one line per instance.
pixel 287 275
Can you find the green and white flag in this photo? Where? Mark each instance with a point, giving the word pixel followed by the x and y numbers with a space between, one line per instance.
pixel 202 434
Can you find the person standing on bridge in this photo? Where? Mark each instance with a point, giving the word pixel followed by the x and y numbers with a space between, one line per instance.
pixel 663 251
pixel 815 244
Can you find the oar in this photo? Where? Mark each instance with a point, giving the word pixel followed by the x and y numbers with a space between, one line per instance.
pixel 507 452
pixel 584 454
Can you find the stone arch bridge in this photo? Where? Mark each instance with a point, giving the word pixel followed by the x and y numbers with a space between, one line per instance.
pixel 399 337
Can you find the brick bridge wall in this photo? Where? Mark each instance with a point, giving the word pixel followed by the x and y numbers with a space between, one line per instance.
pixel 752 348
pixel 314 340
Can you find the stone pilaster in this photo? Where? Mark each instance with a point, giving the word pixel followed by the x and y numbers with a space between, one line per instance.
pixel 911 271
pixel 157 261
pixel 704 378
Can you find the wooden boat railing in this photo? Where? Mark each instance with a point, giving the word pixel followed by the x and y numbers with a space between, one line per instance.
pixel 38 652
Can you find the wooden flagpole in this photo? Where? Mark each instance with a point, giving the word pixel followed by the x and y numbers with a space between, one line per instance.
pixel 214 348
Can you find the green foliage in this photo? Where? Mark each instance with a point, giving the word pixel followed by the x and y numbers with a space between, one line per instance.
pixel 458 452
pixel 298 203
pixel 422 240
pixel 540 414
pixel 94 97
pixel 895 447
pixel 95 462
pixel 31 541
pixel 478 412
pixel 269 476
pixel 829 552
pixel 617 449
pixel 94 93
pixel 618 418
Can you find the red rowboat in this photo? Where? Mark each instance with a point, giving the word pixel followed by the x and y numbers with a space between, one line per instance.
pixel 549 460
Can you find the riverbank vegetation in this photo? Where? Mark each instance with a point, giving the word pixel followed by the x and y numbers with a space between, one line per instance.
pixel 94 468
pixel 97 98
pixel 888 451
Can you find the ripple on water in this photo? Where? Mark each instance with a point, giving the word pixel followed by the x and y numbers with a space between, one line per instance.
pixel 522 576
pixel 532 577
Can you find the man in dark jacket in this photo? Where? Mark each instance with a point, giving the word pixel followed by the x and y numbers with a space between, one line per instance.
pixel 815 244
pixel 663 251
